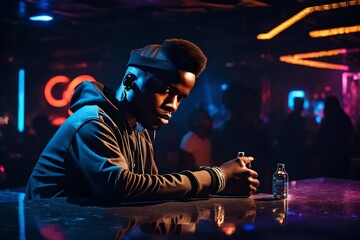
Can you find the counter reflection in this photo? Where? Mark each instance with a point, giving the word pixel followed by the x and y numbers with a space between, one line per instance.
pixel 57 219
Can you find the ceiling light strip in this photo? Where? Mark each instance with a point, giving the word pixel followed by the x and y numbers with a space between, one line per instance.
pixel 302 58
pixel 319 54
pixel 334 31
pixel 302 14
pixel 310 63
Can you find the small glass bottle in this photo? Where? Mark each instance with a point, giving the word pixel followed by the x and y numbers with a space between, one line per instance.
pixel 280 185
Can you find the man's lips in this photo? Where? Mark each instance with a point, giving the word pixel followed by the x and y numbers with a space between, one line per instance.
pixel 166 116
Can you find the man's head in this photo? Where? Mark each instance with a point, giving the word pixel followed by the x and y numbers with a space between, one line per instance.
pixel 331 106
pixel 199 121
pixel 243 103
pixel 158 77
pixel 298 104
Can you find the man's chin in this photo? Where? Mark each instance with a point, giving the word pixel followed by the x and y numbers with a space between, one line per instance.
pixel 152 126
pixel 156 127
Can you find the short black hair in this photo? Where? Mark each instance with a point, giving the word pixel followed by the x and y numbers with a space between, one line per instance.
pixel 173 55
pixel 185 55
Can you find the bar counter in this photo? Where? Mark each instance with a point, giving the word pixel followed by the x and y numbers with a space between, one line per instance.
pixel 321 208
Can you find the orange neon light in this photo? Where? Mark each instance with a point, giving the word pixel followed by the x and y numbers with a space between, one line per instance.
pixel 334 31
pixel 74 83
pixel 58 121
pixel 66 95
pixel 48 91
pixel 310 63
pixel 320 53
pixel 302 14
pixel 228 228
pixel 302 58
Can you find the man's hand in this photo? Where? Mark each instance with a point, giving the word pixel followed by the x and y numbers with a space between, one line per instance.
pixel 240 180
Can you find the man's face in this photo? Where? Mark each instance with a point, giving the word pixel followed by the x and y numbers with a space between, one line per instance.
pixel 161 96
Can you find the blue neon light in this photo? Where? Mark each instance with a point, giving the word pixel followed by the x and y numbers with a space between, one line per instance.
pixel 318 119
pixel 297 93
pixel 224 86
pixel 21 214
pixel 249 227
pixel 21 101
pixel 43 18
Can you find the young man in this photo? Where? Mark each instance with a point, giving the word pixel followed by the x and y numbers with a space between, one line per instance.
pixel 104 150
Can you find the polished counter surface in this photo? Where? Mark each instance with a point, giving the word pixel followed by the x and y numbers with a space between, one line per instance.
pixel 316 209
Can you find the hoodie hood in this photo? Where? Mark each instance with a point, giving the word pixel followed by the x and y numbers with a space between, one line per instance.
pixel 94 93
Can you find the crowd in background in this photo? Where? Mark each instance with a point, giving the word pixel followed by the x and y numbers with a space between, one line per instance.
pixel 329 149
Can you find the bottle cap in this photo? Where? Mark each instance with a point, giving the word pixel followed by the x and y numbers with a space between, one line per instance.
pixel 241 154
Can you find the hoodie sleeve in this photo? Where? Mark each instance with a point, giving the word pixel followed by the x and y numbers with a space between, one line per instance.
pixel 97 153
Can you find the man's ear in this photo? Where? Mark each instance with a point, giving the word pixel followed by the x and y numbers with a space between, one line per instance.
pixel 136 79
pixel 129 80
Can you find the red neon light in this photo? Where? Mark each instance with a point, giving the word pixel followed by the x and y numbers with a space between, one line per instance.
pixel 66 95
pixel 74 83
pixel 48 91
pixel 58 121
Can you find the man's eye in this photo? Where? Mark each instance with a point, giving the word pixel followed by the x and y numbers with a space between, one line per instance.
pixel 161 88
pixel 164 90
pixel 180 98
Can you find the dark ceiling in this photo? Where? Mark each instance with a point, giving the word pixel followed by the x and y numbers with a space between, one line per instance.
pixel 98 31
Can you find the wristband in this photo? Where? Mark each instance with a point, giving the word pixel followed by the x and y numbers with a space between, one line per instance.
pixel 217 179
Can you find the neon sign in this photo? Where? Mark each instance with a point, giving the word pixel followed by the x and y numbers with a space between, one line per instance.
pixel 66 95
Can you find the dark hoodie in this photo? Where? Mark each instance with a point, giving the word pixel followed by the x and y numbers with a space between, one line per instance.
pixel 93 155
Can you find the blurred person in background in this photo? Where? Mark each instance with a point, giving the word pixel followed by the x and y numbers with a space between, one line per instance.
pixel 335 136
pixel 242 131
pixel 292 140
pixel 195 146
